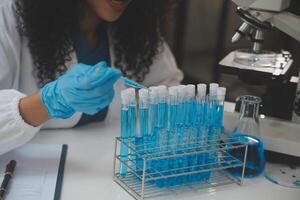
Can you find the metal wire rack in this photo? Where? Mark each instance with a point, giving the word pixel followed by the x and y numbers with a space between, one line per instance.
pixel 155 170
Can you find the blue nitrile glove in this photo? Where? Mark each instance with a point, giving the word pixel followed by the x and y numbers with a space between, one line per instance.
pixel 84 88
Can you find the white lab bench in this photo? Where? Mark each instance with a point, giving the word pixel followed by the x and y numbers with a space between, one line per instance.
pixel 88 170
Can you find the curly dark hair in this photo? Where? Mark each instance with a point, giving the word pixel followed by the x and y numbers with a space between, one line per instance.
pixel 51 26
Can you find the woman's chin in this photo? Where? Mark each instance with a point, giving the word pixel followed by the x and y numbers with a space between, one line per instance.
pixel 111 17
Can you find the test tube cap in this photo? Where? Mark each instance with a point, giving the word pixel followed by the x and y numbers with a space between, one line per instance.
pixel 213 89
pixel 153 90
pixel 162 93
pixel 201 90
pixel 162 90
pixel 180 90
pixel 124 97
pixel 190 89
pixel 172 91
pixel 131 95
pixel 143 94
pixel 221 93
pixel 153 94
pixel 163 87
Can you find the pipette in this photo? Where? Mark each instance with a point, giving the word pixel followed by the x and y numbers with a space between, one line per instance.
pixel 132 84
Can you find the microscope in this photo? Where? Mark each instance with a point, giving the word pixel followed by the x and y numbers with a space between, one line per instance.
pixel 259 16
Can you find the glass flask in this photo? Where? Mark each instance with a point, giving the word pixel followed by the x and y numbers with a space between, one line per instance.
pixel 247 131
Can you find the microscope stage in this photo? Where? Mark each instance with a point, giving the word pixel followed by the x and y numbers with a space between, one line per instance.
pixel 281 66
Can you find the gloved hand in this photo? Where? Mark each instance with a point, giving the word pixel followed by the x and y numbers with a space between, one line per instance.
pixel 84 88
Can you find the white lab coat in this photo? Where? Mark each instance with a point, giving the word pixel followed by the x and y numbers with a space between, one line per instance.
pixel 17 80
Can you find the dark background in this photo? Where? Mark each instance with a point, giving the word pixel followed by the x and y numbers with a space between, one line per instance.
pixel 200 36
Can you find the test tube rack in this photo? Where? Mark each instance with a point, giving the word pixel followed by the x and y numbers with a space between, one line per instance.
pixel 144 179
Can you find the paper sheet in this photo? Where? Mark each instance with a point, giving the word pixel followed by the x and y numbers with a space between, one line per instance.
pixel 36 171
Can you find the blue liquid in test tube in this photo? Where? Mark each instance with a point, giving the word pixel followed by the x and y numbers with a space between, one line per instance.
pixel 172 121
pixel 202 117
pixel 171 129
pixel 153 112
pixel 124 133
pixel 190 132
pixel 162 139
pixel 132 118
pixel 144 124
pixel 181 136
pixel 221 93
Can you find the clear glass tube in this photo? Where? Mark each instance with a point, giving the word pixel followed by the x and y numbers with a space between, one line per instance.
pixel 144 112
pixel 124 133
pixel 221 92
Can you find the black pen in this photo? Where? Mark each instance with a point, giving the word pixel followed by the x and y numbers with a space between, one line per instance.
pixel 10 167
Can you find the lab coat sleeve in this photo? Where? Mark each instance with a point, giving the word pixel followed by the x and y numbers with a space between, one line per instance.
pixel 164 70
pixel 14 131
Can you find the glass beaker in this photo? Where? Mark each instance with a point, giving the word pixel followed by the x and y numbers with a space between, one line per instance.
pixel 247 131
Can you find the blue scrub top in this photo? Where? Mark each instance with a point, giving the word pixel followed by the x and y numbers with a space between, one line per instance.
pixel 87 55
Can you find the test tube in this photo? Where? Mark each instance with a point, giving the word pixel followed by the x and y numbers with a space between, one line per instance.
pixel 181 108
pixel 144 112
pixel 172 112
pixel 201 104
pixel 221 93
pixel 153 112
pixel 124 133
pixel 181 137
pixel 191 133
pixel 190 107
pixel 132 119
pixel 172 109
pixel 213 87
pixel 212 106
pixel 162 95
pixel 142 139
pixel 212 134
pixel 162 141
pixel 132 112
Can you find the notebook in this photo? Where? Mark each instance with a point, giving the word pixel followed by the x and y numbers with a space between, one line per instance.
pixel 38 174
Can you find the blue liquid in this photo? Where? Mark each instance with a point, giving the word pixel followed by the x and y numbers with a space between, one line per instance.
pixel 172 139
pixel 144 130
pixel 153 131
pixel 183 139
pixel 191 135
pixel 255 163
pixel 132 121
pixel 162 117
pixel 124 136
pixel 172 118
pixel 162 140
pixel 206 135
pixel 144 121
pixel 133 84
pixel 153 113
pixel 219 116
pixel 132 126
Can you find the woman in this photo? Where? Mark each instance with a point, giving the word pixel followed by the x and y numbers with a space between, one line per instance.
pixel 51 74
